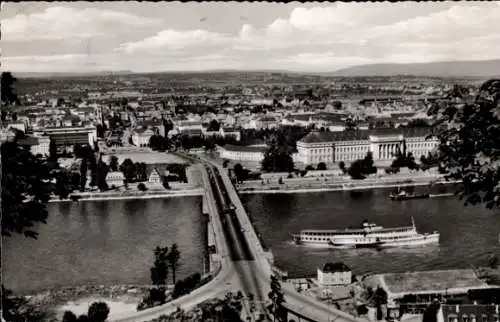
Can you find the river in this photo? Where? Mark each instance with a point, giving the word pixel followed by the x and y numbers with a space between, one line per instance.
pixel 111 242
pixel 104 242
pixel 468 235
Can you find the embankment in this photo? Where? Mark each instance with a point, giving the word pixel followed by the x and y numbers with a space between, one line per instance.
pixel 130 195
pixel 338 187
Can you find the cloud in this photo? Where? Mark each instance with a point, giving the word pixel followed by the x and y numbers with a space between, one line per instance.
pixel 170 39
pixel 60 22
pixel 319 38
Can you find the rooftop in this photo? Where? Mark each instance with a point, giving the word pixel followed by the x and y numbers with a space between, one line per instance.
pixel 431 281
pixel 242 148
pixel 335 267
pixel 319 137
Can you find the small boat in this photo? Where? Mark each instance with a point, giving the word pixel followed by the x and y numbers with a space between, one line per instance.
pixel 403 195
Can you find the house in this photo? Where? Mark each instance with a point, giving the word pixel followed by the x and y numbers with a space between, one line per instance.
pixel 155 177
pixel 115 179
pixel 242 153
pixel 334 274
pixel 468 313
pixel 141 136
pixel 155 125
pixel 230 132
pixel 36 145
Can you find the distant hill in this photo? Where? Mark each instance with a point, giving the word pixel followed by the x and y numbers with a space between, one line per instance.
pixel 68 74
pixel 482 68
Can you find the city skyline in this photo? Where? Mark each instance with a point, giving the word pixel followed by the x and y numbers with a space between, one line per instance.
pixel 310 37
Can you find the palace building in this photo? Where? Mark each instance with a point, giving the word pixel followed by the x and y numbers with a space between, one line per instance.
pixel 348 146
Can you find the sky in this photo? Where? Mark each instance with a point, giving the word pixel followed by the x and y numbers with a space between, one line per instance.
pixel 302 37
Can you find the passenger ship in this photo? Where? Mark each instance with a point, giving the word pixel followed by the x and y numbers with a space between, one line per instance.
pixel 369 235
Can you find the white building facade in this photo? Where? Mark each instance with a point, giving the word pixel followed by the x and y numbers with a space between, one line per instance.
pixel 349 146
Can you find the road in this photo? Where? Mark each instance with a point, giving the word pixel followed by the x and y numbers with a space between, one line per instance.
pixel 260 267
pixel 244 264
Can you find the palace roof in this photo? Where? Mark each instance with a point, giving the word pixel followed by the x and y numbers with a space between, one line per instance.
pixel 320 137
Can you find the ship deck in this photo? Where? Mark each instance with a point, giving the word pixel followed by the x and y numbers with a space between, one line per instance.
pixel 355 230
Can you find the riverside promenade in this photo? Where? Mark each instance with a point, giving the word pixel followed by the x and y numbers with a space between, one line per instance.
pixel 339 184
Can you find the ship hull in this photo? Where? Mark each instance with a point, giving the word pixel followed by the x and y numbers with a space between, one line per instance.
pixel 408 241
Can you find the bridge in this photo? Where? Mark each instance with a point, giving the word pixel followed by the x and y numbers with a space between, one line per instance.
pixel 241 262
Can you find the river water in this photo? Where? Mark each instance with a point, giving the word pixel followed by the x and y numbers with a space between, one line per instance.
pixel 468 235
pixel 104 242
pixel 111 242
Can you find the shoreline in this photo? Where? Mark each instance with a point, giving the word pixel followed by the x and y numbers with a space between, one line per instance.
pixel 130 196
pixel 343 188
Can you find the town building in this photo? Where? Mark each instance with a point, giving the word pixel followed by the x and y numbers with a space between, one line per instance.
pixel 115 179
pixel 349 146
pixel 468 313
pixel 154 125
pixel 141 136
pixel 155 177
pixel 242 153
pixel 226 132
pixel 334 274
pixel 36 145
pixel 69 136
pixel 265 122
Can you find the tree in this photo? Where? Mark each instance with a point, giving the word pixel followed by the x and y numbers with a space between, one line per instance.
pixel 18 309
pixel 356 170
pixel 342 166
pixel 98 312
pixel 321 166
pixel 430 314
pixel 159 271
pixel 141 171
pixel 142 187
pixel 83 174
pixel 239 172
pixel 9 95
pixel 52 151
pixel 101 129
pixel 63 184
pixel 469 149
pixel 277 297
pixel 69 317
pixel 25 190
pixel 173 259
pixel 102 172
pixel 278 157
pixel 493 261
pixel 113 163
pixel 213 126
pixel 128 169
pixel 84 318
pixel 368 165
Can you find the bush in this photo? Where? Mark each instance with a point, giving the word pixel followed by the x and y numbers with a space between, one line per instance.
pixel 142 187
pixel 98 312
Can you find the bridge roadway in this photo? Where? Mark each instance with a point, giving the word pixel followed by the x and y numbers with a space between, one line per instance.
pixel 244 265
pixel 261 265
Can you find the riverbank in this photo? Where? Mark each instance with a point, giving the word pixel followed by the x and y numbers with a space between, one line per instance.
pixel 338 187
pixel 95 196
pixel 122 299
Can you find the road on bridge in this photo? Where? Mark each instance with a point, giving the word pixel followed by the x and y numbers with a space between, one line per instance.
pixel 244 264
